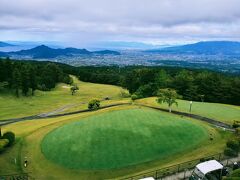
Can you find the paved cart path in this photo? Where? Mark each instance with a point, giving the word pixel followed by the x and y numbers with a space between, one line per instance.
pixel 214 122
pixel 57 113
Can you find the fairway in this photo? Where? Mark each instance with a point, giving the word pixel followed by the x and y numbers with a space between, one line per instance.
pixel 220 112
pixel 122 138
pixel 43 102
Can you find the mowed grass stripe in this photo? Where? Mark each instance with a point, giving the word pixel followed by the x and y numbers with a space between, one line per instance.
pixel 121 138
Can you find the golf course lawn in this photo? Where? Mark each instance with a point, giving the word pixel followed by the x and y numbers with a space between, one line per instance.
pixel 221 112
pixel 139 124
pixel 122 138
pixel 43 102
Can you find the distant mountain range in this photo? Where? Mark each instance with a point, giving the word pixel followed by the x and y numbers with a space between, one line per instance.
pixel 3 44
pixel 126 45
pixel 203 48
pixel 45 52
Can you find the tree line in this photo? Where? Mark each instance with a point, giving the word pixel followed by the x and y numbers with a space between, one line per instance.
pixel 25 77
pixel 193 85
pixel 190 84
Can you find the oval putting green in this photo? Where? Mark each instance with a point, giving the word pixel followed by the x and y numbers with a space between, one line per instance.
pixel 121 138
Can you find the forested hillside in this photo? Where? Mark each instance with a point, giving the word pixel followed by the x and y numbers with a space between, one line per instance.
pixel 25 77
pixel 196 85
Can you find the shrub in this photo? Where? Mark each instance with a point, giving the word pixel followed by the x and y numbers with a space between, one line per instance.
pixel 68 80
pixel 234 145
pixel 3 143
pixel 238 132
pixel 74 88
pixel 124 94
pixel 134 97
pixel 235 125
pixel 235 173
pixel 10 136
pixel 94 104
pixel 146 90
pixel 230 152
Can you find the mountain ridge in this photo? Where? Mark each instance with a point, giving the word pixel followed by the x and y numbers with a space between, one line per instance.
pixel 203 47
pixel 46 52
pixel 4 44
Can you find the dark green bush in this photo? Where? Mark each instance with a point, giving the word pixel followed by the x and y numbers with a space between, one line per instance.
pixel 230 152
pixel 94 104
pixel 234 145
pixel 3 143
pixel 134 97
pixel 238 134
pixel 146 90
pixel 10 136
pixel 235 125
pixel 236 173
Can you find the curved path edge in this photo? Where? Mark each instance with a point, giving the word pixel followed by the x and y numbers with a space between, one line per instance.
pixel 194 116
pixel 37 117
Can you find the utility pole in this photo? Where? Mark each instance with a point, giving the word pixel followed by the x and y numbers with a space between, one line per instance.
pixel 190 108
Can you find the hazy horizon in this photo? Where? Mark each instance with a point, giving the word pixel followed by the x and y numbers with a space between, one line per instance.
pixel 89 23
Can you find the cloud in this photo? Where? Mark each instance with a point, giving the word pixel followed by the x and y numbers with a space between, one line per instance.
pixel 140 20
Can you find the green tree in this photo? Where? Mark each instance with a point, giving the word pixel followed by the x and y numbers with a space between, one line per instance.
pixel 138 77
pixel 146 90
pixel 33 80
pixel 162 79
pixel 183 83
pixel 168 96
pixel 10 136
pixel 51 74
pixel 94 104
pixel 16 81
pixel 25 77
pixel 134 97
pixel 74 88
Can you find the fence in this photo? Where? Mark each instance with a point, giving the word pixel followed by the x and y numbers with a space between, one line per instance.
pixel 184 170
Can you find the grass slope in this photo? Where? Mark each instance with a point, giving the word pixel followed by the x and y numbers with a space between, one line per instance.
pixel 42 102
pixel 120 139
pixel 221 112
pixel 31 133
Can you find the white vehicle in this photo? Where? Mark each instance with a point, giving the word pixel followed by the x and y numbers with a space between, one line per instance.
pixel 148 178
pixel 209 170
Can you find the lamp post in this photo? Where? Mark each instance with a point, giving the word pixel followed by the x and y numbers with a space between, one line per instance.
pixel 190 108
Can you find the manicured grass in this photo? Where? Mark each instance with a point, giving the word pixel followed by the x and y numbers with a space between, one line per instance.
pixel 221 112
pixel 42 102
pixel 31 134
pixel 122 138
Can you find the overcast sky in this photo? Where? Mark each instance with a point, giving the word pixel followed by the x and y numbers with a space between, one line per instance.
pixel 80 22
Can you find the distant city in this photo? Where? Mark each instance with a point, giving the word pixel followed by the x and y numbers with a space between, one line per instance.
pixel 200 55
